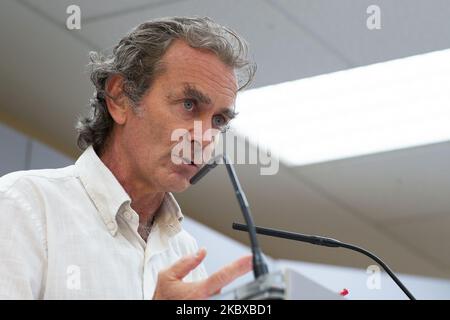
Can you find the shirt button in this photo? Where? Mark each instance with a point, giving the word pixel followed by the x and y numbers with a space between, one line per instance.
pixel 127 215
pixel 111 226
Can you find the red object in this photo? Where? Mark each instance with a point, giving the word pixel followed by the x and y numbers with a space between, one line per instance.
pixel 344 292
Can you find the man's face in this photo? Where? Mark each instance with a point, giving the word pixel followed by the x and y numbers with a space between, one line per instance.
pixel 195 86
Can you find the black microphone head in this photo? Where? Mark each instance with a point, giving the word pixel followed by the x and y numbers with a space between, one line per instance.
pixel 205 169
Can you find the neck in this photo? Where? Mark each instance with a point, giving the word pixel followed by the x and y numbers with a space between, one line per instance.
pixel 144 199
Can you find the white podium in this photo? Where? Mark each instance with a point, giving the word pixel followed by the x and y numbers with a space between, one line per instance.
pixel 287 284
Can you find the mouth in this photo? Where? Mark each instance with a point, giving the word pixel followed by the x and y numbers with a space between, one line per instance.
pixel 190 163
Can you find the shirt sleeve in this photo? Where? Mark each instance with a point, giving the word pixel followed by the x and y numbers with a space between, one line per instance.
pixel 22 248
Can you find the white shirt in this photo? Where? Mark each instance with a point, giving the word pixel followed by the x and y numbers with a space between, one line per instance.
pixel 70 233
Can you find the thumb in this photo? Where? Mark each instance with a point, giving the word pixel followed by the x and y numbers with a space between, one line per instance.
pixel 182 267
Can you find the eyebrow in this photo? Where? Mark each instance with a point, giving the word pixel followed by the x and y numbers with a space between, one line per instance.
pixel 192 92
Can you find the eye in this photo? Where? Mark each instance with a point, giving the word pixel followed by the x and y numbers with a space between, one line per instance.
pixel 219 121
pixel 188 104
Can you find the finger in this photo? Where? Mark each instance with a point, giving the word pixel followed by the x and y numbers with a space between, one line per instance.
pixel 227 274
pixel 182 267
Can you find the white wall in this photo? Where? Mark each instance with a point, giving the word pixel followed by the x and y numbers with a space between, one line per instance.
pixel 13 148
pixel 19 152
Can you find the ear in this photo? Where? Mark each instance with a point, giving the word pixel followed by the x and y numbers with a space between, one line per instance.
pixel 116 100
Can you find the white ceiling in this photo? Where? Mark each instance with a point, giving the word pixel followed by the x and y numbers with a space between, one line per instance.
pixel 393 203
pixel 289 40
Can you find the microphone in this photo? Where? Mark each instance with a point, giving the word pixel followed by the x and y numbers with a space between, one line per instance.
pixel 323 241
pixel 205 169
pixel 259 265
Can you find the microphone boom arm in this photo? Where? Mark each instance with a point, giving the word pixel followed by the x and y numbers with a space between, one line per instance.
pixel 259 265
pixel 328 242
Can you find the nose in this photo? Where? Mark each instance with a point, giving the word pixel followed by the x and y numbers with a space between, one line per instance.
pixel 202 137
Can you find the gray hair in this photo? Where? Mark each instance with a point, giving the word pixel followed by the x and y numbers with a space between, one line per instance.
pixel 137 58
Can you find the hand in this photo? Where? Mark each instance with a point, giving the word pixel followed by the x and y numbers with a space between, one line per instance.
pixel 170 285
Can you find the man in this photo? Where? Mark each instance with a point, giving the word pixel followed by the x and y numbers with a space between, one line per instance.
pixel 108 227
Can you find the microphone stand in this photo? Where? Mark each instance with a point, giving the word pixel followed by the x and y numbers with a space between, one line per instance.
pixel 266 285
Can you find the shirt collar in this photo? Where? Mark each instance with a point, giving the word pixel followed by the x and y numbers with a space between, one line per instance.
pixel 110 197
pixel 169 215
